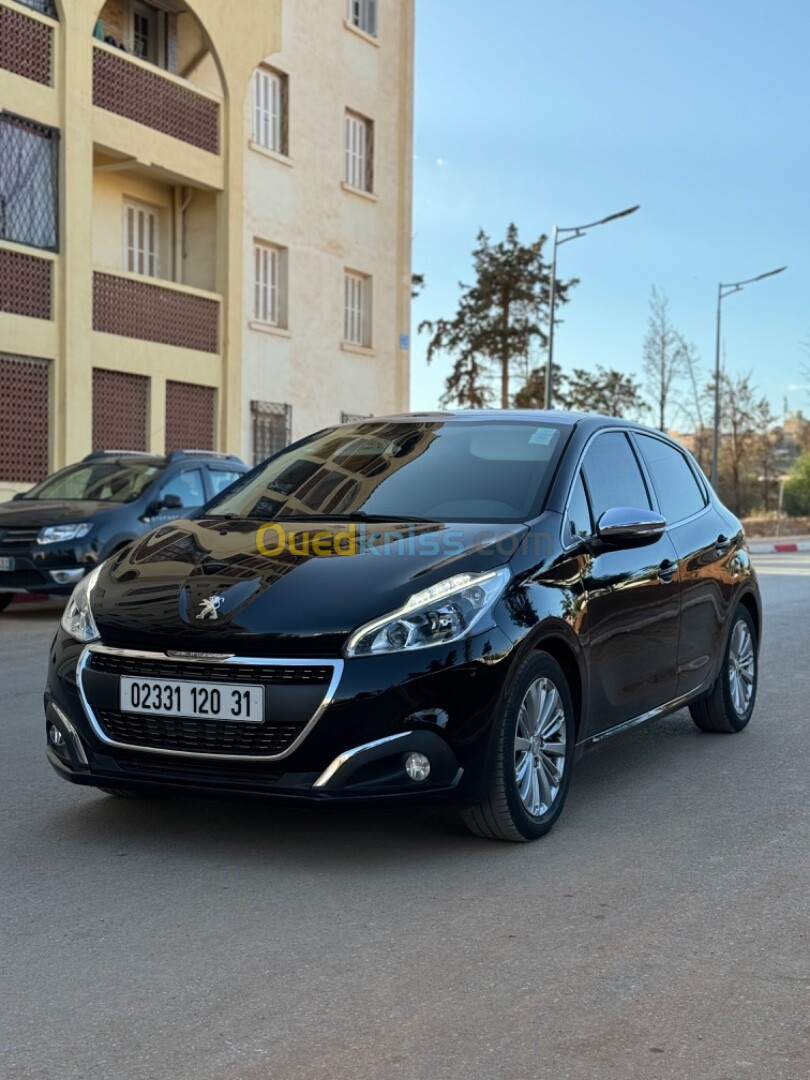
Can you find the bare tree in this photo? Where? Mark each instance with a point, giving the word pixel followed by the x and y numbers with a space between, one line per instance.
pixel 746 421
pixel 663 356
pixel 695 404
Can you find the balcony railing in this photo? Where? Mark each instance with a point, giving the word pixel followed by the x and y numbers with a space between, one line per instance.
pixel 163 313
pixel 133 89
pixel 26 284
pixel 26 45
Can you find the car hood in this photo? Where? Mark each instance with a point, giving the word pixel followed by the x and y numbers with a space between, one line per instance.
pixel 36 513
pixel 214 585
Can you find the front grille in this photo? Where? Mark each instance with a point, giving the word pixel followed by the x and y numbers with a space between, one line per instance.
pixel 216 671
pixel 17 537
pixel 21 579
pixel 197 736
pixel 249 772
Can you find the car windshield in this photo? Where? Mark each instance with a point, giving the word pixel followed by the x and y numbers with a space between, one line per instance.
pixel 437 470
pixel 111 481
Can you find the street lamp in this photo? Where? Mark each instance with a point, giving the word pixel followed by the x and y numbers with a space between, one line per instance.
pixel 575 232
pixel 722 292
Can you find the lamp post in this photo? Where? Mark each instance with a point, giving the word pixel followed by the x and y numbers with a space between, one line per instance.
pixel 722 292
pixel 574 233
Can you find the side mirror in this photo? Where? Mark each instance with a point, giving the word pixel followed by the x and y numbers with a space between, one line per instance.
pixel 625 526
pixel 18 496
pixel 168 502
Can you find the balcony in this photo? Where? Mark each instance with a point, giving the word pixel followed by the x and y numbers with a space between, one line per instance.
pixel 26 284
pixel 167 314
pixel 155 98
pixel 26 45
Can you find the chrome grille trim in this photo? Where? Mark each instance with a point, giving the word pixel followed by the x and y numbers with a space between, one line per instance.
pixel 89 650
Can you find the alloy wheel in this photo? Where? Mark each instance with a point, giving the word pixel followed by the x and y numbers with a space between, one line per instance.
pixel 540 747
pixel 741 661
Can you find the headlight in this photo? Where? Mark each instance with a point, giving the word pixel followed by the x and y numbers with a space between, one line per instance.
pixel 435 616
pixel 56 533
pixel 78 618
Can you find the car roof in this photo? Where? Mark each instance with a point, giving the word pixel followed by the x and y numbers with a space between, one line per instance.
pixel 586 421
pixel 175 457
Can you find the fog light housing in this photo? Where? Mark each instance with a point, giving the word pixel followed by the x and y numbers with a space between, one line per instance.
pixel 417 766
pixel 55 737
pixel 67 577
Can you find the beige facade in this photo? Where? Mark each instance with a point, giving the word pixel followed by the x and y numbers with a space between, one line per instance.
pixel 299 201
pixel 133 188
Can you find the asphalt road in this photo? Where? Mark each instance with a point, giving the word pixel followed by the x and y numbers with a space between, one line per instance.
pixel 661 930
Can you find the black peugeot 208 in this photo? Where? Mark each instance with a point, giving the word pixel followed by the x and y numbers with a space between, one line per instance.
pixel 437 607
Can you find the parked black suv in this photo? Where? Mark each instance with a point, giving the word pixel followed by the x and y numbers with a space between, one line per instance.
pixel 431 607
pixel 54 534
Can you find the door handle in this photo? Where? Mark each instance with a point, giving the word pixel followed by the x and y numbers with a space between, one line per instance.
pixel 666 571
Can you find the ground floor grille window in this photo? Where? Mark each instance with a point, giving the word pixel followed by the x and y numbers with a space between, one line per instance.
pixel 272 424
pixel 120 410
pixel 190 416
pixel 24 402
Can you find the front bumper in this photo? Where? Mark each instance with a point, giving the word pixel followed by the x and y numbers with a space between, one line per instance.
pixel 45 568
pixel 439 703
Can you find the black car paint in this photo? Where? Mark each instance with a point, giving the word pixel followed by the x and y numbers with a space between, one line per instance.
pixel 114 525
pixel 615 624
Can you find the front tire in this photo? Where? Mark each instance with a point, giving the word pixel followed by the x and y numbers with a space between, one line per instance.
pixel 5 599
pixel 728 705
pixel 533 759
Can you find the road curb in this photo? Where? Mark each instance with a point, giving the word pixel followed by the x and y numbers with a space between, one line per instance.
pixel 777 547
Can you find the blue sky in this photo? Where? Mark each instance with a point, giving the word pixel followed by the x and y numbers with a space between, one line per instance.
pixel 560 113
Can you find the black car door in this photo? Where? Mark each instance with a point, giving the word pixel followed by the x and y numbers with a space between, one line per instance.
pixel 702 549
pixel 631 596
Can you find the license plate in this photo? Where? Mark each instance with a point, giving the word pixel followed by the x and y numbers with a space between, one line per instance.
pixel 243 704
pixel 7 565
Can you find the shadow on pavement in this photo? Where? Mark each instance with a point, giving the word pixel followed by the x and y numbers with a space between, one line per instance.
pixel 615 788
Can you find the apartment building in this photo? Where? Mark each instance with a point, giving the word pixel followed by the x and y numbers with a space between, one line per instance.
pixel 204 223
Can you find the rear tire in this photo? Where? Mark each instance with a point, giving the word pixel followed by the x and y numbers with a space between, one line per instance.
pixel 5 599
pixel 727 707
pixel 534 755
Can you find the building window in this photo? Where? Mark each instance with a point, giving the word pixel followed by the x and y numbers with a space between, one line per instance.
pixel 270 285
pixel 141 239
pixel 270 110
pixel 272 428
pixel 363 15
pixel 147 32
pixel 44 7
pixel 29 182
pixel 359 152
pixel 357 310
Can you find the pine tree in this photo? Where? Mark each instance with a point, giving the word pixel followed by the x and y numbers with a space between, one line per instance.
pixel 500 319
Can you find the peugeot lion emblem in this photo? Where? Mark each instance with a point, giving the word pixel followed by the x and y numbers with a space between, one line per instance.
pixel 210 607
